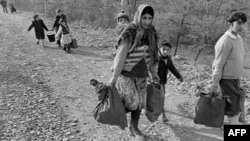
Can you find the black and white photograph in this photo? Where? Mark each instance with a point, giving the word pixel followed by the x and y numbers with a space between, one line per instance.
pixel 124 70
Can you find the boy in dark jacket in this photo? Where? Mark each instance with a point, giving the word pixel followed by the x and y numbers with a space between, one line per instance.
pixel 59 16
pixel 39 29
pixel 165 64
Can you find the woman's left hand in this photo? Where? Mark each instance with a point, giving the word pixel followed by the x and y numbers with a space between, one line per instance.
pixel 113 80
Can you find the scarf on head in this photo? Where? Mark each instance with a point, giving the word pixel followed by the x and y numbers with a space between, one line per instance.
pixel 133 32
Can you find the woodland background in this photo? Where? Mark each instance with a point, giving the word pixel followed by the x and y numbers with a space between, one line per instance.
pixel 45 93
pixel 192 23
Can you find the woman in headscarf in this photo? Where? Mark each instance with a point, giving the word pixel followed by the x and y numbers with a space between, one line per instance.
pixel 135 61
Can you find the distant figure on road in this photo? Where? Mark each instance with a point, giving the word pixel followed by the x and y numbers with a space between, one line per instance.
pixel 39 29
pixel 12 8
pixel 64 35
pixel 59 16
pixel 4 4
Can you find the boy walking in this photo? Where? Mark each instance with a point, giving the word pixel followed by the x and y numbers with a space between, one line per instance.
pixel 228 66
pixel 165 64
pixel 39 27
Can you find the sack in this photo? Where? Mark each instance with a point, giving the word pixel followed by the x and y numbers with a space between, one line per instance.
pixel 74 43
pixel 110 110
pixel 210 111
pixel 155 101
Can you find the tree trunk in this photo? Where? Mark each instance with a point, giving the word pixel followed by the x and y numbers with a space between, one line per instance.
pixel 134 7
pixel 122 1
pixel 45 7
pixel 197 56
pixel 179 34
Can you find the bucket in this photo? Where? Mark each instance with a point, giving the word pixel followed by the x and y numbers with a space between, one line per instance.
pixel 51 36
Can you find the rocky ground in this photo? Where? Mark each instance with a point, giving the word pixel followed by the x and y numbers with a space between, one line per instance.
pixel 45 93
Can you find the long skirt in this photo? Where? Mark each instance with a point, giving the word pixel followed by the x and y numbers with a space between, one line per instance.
pixel 66 39
pixel 133 92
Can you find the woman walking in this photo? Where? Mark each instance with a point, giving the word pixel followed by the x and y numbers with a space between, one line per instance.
pixel 135 61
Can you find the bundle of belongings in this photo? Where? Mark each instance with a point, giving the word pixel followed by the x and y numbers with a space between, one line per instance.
pixel 210 110
pixel 110 108
pixel 155 101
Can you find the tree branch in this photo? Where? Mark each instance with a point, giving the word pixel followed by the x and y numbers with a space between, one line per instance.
pixel 171 20
pixel 217 11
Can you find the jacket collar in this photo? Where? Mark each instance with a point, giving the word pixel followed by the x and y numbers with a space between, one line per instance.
pixel 231 35
pixel 162 57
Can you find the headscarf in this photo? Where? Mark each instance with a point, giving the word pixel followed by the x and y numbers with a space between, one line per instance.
pixel 134 30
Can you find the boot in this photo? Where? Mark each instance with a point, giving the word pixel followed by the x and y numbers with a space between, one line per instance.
pixel 242 118
pixel 135 130
pixel 164 117
pixel 68 49
pixel 58 43
pixel 64 48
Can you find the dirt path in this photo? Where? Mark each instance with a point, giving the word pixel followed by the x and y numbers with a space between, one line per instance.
pixel 64 79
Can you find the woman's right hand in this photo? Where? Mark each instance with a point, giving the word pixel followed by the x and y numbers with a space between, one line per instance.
pixel 214 91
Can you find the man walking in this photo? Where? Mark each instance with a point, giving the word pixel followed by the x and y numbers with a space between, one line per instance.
pixel 4 4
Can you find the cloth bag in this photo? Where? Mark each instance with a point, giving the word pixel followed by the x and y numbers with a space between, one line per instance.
pixel 110 109
pixel 74 43
pixel 154 102
pixel 210 110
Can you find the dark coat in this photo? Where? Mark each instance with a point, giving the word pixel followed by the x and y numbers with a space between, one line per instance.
pixel 57 21
pixel 39 28
pixel 4 3
pixel 163 69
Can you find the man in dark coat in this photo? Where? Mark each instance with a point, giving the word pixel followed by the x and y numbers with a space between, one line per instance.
pixel 4 4
pixel 12 8
pixel 59 16
pixel 39 27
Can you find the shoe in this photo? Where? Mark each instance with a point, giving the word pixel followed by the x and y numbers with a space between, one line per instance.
pixel 164 119
pixel 58 43
pixel 67 49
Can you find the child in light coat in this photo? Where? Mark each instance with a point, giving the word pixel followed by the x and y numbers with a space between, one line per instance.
pixel 66 38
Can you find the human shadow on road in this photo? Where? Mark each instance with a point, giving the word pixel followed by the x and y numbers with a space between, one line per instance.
pixel 179 114
pixel 185 133
pixel 155 138
pixel 53 47
pixel 87 51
